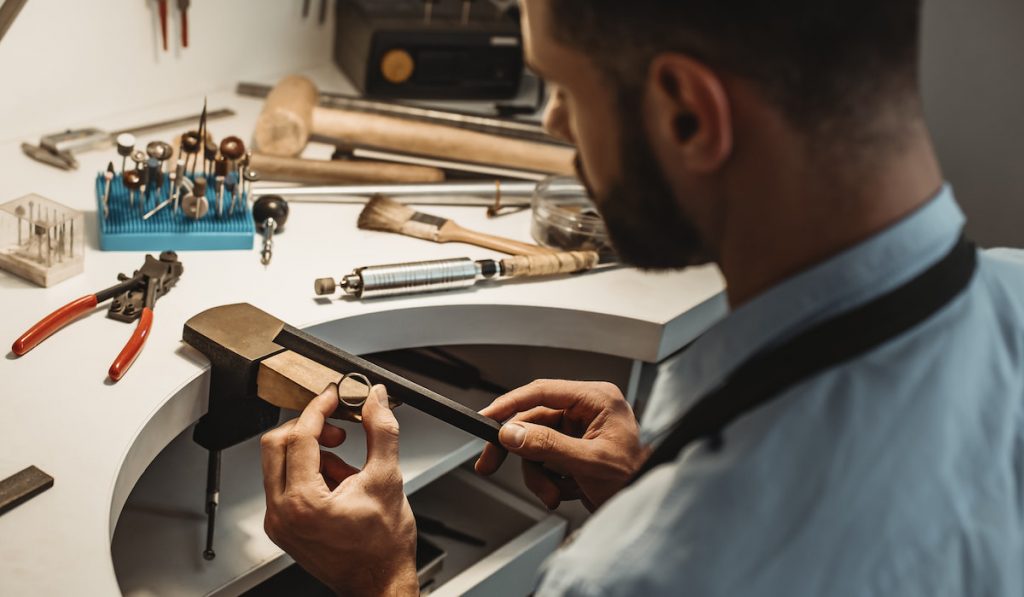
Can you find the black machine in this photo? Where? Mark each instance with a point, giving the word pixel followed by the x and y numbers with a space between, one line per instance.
pixel 440 49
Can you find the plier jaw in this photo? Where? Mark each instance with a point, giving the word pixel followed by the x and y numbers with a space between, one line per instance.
pixel 133 299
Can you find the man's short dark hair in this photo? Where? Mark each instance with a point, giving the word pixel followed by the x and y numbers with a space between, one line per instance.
pixel 824 63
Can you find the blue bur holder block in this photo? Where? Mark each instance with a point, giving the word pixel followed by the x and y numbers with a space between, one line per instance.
pixel 125 230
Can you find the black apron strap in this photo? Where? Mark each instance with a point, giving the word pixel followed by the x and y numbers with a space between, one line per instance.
pixel 849 335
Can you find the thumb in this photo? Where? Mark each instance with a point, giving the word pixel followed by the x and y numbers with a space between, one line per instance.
pixel 542 444
pixel 381 428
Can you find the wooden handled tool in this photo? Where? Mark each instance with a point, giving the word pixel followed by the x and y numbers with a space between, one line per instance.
pixel 387 215
pixel 399 279
pixel 291 115
pixel 286 169
pixel 249 348
pixel 291 381
pixel 260 365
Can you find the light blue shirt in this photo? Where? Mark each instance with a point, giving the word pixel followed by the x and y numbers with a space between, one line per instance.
pixel 900 473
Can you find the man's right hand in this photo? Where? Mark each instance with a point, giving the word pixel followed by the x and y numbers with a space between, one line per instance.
pixel 578 440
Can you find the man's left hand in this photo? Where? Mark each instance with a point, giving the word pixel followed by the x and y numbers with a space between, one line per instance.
pixel 352 529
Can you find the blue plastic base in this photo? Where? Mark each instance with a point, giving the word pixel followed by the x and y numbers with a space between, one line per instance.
pixel 125 230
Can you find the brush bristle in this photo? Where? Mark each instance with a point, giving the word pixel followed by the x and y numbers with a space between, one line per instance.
pixel 384 214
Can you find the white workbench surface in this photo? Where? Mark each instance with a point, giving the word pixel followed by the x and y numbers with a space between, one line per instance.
pixel 61 414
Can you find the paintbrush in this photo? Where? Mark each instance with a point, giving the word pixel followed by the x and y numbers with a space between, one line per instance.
pixel 387 215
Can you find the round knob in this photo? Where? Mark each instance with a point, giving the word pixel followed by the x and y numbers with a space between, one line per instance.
pixel 232 148
pixel 125 144
pixel 397 66
pixel 270 207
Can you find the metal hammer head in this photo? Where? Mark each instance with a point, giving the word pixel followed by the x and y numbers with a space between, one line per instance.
pixel 236 339
pixel 284 126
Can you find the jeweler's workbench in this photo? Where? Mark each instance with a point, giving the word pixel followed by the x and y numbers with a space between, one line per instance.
pixel 97 438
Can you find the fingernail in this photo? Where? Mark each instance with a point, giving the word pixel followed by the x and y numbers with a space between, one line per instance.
pixel 513 435
pixel 382 396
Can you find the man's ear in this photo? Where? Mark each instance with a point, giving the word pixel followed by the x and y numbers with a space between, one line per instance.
pixel 687 113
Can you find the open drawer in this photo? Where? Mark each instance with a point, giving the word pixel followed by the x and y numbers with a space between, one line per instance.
pixel 156 548
pixel 518 536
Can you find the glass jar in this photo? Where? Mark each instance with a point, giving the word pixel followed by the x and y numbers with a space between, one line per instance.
pixel 565 218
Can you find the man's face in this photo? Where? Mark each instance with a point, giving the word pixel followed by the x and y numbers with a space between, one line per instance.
pixel 645 221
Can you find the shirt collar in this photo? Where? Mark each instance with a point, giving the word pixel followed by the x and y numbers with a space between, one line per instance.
pixel 855 276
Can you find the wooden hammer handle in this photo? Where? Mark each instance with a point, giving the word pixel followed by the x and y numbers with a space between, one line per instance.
pixel 439 141
pixel 336 171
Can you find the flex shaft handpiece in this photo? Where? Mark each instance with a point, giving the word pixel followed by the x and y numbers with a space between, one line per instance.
pixel 452 274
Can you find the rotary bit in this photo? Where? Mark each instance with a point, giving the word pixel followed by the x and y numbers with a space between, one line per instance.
pixel 125 147
pixel 179 181
pixel 108 177
pixel 220 171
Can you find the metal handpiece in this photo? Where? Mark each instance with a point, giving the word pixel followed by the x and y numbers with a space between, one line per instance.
pixel 269 227
pixel 408 278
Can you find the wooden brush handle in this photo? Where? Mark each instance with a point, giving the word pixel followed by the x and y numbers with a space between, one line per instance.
pixel 333 171
pixel 549 265
pixel 434 140
pixel 453 233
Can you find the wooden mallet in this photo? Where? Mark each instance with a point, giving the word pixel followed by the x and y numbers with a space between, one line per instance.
pixel 291 115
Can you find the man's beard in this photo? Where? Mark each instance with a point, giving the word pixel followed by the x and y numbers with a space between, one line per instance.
pixel 645 223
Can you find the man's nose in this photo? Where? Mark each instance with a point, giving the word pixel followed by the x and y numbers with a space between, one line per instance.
pixel 556 117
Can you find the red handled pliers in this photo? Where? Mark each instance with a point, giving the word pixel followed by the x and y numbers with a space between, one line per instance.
pixel 134 298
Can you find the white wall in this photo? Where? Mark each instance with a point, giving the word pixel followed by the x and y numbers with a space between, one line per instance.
pixel 70 62
pixel 974 97
pixel 66 62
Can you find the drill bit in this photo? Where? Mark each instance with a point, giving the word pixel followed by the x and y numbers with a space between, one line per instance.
pixel 179 181
pixel 220 171
pixel 231 183
pixel 108 178
pixel 202 135
pixel 19 212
